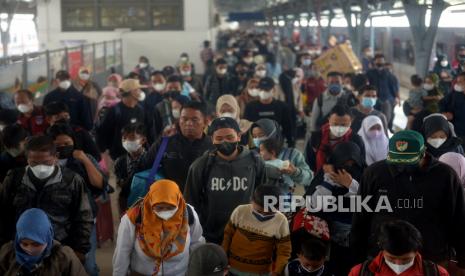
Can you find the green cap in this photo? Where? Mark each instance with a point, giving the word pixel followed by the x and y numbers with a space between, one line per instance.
pixel 406 147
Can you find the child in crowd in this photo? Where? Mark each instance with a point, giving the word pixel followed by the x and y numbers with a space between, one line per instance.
pixel 269 150
pixel 311 259
pixel 134 141
pixel 414 103
pixel 256 240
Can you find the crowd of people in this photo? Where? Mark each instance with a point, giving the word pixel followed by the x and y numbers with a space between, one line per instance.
pixel 196 159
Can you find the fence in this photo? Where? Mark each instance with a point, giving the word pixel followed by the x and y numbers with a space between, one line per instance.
pixel 36 71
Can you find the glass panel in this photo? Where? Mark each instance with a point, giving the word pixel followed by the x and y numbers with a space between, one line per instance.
pixel 78 17
pixel 37 75
pixel 129 16
pixel 110 52
pixel 166 16
pixel 99 58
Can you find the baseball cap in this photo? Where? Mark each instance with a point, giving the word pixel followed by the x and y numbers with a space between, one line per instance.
pixel 406 147
pixel 266 84
pixel 131 84
pixel 223 122
pixel 207 260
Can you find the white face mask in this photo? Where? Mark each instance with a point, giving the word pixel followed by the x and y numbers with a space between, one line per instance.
pixel 159 86
pixel 260 73
pixel 65 84
pixel 248 60
pixel 176 113
pixel 229 115
pixel 2 127
pixel 143 65
pixel 436 142
pixel 166 215
pixel 185 73
pixel 84 76
pixel 141 96
pixel 444 63
pixel 14 152
pixel 42 171
pixel 338 131
pixel 458 87
pixel 221 71
pixel 229 53
pixel 264 95
pixel 24 108
pixel 254 92
pixel 132 146
pixel 428 86
pixel 397 268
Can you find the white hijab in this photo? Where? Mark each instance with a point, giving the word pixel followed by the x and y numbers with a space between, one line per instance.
pixel 376 148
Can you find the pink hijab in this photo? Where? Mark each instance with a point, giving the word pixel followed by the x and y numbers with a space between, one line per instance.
pixel 457 162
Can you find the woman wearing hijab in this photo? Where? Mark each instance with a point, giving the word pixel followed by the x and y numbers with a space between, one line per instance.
pixel 439 135
pixel 110 94
pixel 457 162
pixel 227 106
pixel 156 235
pixel 375 139
pixel 34 252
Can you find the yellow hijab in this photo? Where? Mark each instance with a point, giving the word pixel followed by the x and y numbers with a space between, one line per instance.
pixel 158 238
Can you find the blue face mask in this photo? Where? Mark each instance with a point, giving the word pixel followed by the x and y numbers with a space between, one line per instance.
pixel 369 102
pixel 257 142
pixel 335 89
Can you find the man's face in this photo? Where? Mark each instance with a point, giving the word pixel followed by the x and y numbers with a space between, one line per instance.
pixel 192 123
pixel 369 94
pixel 61 116
pixel 335 120
pixel 158 79
pixel 225 135
pixel 461 81
pixel 35 158
pixel 334 80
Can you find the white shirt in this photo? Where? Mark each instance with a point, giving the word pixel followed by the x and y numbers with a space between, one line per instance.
pixel 129 256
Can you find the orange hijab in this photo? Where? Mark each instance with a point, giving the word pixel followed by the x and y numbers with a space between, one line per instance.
pixel 158 238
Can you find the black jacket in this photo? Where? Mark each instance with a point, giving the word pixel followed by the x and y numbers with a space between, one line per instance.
pixel 179 155
pixel 79 108
pixel 439 211
pixel 215 187
pixel 63 197
pixel 216 87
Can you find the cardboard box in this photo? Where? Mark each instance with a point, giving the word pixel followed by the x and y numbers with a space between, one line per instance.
pixel 340 58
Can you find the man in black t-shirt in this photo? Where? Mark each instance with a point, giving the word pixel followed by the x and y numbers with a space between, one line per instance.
pixel 267 107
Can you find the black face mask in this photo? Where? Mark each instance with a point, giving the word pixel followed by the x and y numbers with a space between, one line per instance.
pixel 172 94
pixel 65 152
pixel 379 65
pixel 226 148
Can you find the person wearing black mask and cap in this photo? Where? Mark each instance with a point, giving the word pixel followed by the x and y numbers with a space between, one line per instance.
pixel 340 177
pixel 268 107
pixel 223 178
pixel 439 135
pixel 418 188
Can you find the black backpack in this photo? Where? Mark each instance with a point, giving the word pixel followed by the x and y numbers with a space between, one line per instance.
pixel 429 269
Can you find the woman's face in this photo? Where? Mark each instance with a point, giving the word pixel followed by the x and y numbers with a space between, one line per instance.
pixel 258 132
pixel 438 135
pixel 161 207
pixel 375 127
pixel 226 108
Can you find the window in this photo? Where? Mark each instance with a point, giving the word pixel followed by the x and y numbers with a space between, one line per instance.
pixel 100 15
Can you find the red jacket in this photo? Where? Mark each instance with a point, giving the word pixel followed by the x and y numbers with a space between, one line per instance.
pixel 36 123
pixel 314 87
pixel 380 268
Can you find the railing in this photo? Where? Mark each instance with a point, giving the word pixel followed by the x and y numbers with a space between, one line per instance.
pixel 36 71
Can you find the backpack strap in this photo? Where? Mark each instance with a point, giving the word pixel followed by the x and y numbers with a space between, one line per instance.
pixel 190 215
pixel 430 268
pixel 365 270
